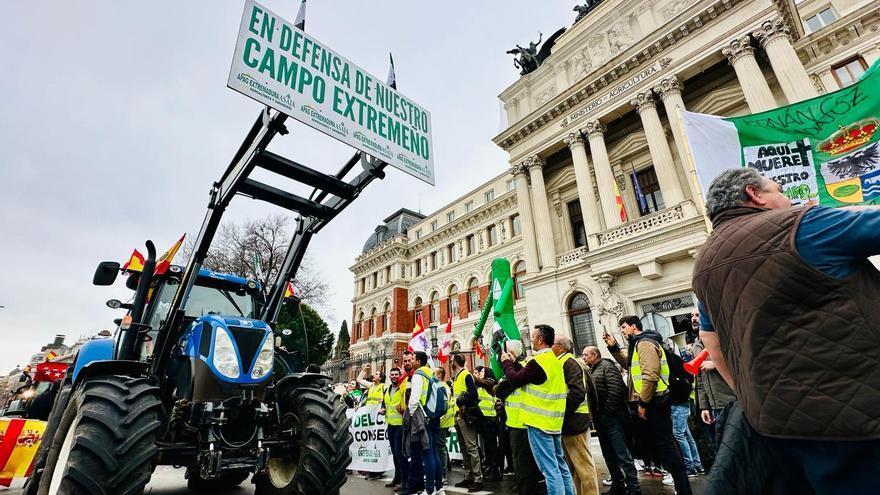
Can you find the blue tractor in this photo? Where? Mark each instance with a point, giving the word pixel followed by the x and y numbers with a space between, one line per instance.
pixel 188 378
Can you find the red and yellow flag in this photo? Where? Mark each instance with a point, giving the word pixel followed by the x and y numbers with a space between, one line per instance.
pixel 135 263
pixel 288 291
pixel 618 200
pixel 165 260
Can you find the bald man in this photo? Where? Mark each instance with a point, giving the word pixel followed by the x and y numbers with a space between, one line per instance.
pixel 576 424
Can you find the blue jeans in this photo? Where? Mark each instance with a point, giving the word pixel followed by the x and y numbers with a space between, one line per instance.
pixel 547 450
pixel 427 458
pixel 612 440
pixel 685 439
pixel 395 438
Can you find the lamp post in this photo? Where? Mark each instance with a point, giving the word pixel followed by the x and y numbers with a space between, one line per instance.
pixel 435 351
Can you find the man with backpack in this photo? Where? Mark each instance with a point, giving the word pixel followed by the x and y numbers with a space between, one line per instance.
pixel 649 385
pixel 466 397
pixel 421 423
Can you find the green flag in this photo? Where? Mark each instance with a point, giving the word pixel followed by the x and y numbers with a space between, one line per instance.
pixel 825 148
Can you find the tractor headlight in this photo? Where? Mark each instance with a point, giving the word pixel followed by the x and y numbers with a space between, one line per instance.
pixel 225 359
pixel 263 363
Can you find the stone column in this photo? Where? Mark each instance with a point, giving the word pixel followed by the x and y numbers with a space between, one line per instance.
pixel 741 56
pixel 586 193
pixel 604 176
pixel 775 38
pixel 669 90
pixel 546 248
pixel 524 205
pixel 659 147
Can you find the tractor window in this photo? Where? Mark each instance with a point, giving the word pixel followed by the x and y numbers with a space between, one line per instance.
pixel 160 314
pixel 219 299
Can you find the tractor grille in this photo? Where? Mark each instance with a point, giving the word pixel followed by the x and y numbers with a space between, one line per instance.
pixel 248 341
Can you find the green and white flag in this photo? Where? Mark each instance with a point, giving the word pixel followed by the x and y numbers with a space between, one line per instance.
pixel 825 148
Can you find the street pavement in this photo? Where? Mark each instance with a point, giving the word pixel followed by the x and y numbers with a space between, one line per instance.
pixel 170 481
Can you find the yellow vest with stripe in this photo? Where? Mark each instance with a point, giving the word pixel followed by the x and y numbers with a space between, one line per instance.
pixel 635 371
pixel 584 407
pixel 375 393
pixel 487 403
pixel 425 383
pixel 543 406
pixel 513 406
pixel 458 386
pixel 392 415
pixel 448 419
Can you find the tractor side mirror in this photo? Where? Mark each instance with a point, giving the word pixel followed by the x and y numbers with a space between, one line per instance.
pixel 106 273
pixel 117 304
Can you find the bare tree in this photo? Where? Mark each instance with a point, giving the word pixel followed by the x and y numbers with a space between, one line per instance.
pixel 237 245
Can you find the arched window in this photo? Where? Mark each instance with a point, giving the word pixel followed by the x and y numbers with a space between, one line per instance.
pixel 435 307
pixel 387 323
pixel 417 307
pixel 372 329
pixel 453 301
pixel 519 271
pixel 473 295
pixel 358 328
pixel 581 319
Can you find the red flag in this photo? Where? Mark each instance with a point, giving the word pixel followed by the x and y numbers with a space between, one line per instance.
pixel 165 260
pixel 418 336
pixel 446 343
pixel 288 291
pixel 135 263
pixel 50 372
pixel 479 350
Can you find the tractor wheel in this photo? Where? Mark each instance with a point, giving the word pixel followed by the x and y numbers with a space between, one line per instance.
pixel 33 483
pixel 314 416
pixel 106 440
pixel 227 479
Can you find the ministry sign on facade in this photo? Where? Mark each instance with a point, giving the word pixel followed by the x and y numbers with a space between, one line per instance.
pixel 286 69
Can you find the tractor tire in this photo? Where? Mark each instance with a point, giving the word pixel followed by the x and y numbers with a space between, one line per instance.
pixel 106 440
pixel 316 416
pixel 227 479
pixel 33 482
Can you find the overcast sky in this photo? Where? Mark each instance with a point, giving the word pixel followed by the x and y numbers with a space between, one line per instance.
pixel 116 119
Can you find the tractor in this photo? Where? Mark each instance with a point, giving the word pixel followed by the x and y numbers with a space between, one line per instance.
pixel 188 378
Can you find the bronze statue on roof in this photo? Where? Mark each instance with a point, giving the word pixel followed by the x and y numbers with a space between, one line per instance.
pixel 529 59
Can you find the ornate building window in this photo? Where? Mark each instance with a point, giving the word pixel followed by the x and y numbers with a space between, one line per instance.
pixel 359 327
pixel 473 296
pixel 652 197
pixel 386 327
pixel 451 253
pixel 849 71
pixel 453 301
pixel 515 225
pixel 577 223
pixel 450 217
pixel 493 235
pixel 435 308
pixel 469 207
pixel 372 323
pixel 581 319
pixel 519 271
pixel 489 195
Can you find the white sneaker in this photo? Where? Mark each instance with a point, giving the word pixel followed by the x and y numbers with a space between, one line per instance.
pixel 607 481
pixel 667 480
pixel 440 492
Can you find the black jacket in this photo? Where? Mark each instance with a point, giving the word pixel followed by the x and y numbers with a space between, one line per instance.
pixel 611 391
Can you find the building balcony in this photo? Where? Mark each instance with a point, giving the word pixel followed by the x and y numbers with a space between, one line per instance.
pixel 647 224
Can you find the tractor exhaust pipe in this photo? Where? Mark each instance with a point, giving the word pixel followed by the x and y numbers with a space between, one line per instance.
pixel 129 337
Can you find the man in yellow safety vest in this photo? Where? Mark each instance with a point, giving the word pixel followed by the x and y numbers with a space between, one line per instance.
pixel 648 385
pixel 394 422
pixel 464 393
pixel 576 425
pixel 447 421
pixel 542 409
pixel 487 428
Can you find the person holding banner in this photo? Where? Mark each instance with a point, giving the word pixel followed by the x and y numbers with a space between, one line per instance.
pixel 394 422
pixel 375 389
pixel 789 314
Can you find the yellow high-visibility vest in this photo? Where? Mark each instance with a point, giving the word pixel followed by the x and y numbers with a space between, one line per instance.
pixel 487 403
pixel 448 419
pixel 543 406
pixel 374 394
pixel 584 407
pixel 458 386
pixel 635 370
pixel 513 406
pixel 392 415
pixel 427 383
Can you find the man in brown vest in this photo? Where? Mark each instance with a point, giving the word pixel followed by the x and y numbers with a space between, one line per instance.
pixel 790 314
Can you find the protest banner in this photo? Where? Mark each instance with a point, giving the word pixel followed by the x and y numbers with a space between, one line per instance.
pixel 370 448
pixel 823 149
pixel 289 70
pixel 453 447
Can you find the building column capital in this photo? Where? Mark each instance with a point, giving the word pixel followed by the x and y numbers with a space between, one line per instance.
pixel 572 139
pixel 534 162
pixel 595 128
pixel 772 30
pixel 518 169
pixel 738 48
pixel 644 101
pixel 669 86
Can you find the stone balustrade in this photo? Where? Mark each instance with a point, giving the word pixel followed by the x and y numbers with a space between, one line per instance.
pixel 644 225
pixel 572 257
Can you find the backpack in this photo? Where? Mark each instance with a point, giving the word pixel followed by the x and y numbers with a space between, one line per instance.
pixel 681 383
pixel 438 397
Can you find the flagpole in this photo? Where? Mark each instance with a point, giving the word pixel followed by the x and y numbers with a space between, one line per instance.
pixel 692 172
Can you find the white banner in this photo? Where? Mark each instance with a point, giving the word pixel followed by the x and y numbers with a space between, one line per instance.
pixel 370 450
pixel 292 72
pixel 453 447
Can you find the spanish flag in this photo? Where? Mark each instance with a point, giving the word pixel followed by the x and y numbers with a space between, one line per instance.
pixel 619 201
pixel 288 291
pixel 165 260
pixel 135 263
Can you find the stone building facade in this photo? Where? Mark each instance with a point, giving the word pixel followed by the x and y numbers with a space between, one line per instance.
pixel 603 110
